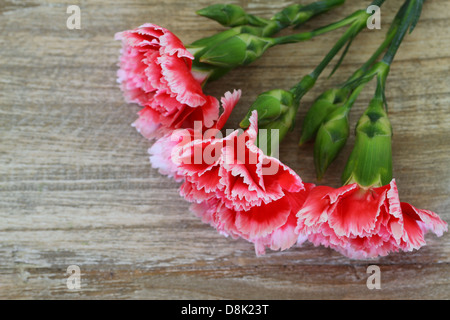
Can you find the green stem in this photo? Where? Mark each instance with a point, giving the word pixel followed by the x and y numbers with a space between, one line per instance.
pixel 370 163
pixel 292 15
pixel 357 20
pixel 387 41
pixel 308 35
pixel 366 73
pixel 322 6
pixel 349 34
pixel 354 95
pixel 410 15
pixel 365 70
pixel 296 14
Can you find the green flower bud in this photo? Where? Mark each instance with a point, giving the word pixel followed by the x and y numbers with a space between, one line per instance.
pixel 197 48
pixel 370 163
pixel 296 14
pixel 209 72
pixel 276 111
pixel 236 51
pixel 228 15
pixel 271 105
pixel 324 105
pixel 331 138
pixel 290 15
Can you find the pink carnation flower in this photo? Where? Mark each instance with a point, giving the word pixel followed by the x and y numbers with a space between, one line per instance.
pixel 240 191
pixel 155 72
pixel 161 151
pixel 365 223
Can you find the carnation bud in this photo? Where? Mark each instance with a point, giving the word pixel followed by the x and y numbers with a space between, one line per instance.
pixel 296 14
pixel 197 48
pixel 276 110
pixel 271 105
pixel 331 138
pixel 291 15
pixel 228 15
pixel 370 163
pixel 241 49
pixel 207 72
pixel 324 105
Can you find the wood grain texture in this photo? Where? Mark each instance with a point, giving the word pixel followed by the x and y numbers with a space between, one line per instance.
pixel 76 187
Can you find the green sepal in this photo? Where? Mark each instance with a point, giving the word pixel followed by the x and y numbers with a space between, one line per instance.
pixel 290 16
pixel 370 163
pixel 237 51
pixel 324 105
pixel 331 138
pixel 228 15
pixel 271 105
pixel 276 111
pixel 314 9
pixel 197 48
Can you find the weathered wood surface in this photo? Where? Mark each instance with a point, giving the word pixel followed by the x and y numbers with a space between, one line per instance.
pixel 76 187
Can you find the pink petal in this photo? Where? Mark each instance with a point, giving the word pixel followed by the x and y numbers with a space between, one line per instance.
pixel 394 200
pixel 189 191
pixel 151 30
pixel 181 82
pixel 165 104
pixel 413 236
pixel 208 180
pixel 243 179
pixel 161 157
pixel 356 213
pixel 280 175
pixel 252 130
pixel 172 45
pixel 227 222
pixel 132 77
pixel 262 220
pixel 205 211
pixel 152 71
pixel 314 210
pixel 429 219
pixel 139 38
pixel 194 161
pixel 229 101
pixel 336 194
pixel 148 124
pixel 207 114
pixel 395 220
pixel 285 236
pixel 297 199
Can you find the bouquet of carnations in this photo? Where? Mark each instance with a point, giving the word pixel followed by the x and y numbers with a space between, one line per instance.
pixel 236 182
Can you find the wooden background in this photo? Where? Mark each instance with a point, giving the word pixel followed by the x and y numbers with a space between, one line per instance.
pixel 76 187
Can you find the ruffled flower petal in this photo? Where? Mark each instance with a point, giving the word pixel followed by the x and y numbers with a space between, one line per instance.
pixel 228 101
pixel 156 72
pixel 180 81
pixel 356 213
pixel 365 223
pixel 257 206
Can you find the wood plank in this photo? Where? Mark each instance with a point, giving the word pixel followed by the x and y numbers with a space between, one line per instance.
pixel 76 187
